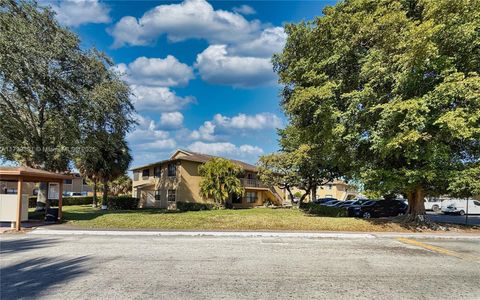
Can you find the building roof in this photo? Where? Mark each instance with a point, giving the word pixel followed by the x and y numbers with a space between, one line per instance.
pixel 197 157
pixel 27 173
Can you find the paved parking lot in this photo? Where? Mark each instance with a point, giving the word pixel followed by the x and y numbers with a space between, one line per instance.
pixel 454 219
pixel 152 267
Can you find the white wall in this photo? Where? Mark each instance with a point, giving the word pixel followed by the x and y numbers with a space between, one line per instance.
pixel 8 207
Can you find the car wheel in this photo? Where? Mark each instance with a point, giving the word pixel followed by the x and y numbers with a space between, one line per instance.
pixel 436 208
pixel 366 215
pixel 462 212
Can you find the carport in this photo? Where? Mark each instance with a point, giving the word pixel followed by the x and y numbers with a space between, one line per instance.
pixel 14 208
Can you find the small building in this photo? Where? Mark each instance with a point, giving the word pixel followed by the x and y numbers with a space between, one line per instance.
pixel 14 207
pixel 162 184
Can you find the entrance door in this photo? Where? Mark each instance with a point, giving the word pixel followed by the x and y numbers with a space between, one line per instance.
pixel 150 198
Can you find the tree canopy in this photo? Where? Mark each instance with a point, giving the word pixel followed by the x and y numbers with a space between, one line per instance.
pixel 392 87
pixel 220 180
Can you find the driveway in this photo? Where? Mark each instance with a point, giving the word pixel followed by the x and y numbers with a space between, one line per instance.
pixel 454 219
pixel 148 267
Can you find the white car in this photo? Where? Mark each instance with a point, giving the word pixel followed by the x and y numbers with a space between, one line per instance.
pixel 460 207
pixel 433 204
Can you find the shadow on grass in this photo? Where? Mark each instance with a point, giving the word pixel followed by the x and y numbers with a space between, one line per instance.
pixel 15 246
pixel 34 277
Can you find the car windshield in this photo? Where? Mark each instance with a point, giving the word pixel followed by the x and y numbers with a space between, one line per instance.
pixel 368 203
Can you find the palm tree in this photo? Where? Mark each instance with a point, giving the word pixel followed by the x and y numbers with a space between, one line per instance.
pixel 219 180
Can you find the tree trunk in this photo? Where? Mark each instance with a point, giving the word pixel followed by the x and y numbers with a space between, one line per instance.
pixel 416 205
pixel 314 193
pixel 95 200
pixel 105 193
pixel 42 196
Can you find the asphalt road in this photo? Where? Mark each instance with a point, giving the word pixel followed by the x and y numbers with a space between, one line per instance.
pixel 454 219
pixel 148 267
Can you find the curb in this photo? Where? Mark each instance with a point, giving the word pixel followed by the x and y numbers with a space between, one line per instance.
pixel 252 234
pixel 204 234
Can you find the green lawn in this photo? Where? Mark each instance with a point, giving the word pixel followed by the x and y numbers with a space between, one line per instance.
pixel 246 219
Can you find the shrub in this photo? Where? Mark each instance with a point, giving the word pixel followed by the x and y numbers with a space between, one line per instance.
pixel 192 206
pixel 321 210
pixel 123 203
pixel 32 201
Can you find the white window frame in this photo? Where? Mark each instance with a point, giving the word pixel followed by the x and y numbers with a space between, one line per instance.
pixel 169 194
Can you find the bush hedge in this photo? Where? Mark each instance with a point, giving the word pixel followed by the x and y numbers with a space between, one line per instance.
pixel 321 210
pixel 190 206
pixel 122 202
pixel 86 200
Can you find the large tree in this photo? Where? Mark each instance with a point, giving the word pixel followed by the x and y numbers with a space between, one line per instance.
pixel 396 82
pixel 46 80
pixel 220 180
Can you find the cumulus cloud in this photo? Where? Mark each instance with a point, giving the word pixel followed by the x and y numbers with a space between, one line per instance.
pixel 189 19
pixel 217 66
pixel 227 149
pixel 271 40
pixel 205 132
pixel 77 12
pixel 160 99
pixel 148 137
pixel 165 72
pixel 171 120
pixel 244 10
pixel 243 121
pixel 220 127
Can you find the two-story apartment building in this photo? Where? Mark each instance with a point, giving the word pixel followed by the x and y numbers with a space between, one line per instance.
pixel 162 184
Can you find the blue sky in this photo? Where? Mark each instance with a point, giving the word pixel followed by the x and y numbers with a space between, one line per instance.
pixel 200 71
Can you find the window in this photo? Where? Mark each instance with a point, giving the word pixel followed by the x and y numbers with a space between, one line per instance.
pixel 67 181
pixel 136 175
pixel 251 197
pixel 329 186
pixel 145 173
pixel 157 195
pixel 172 169
pixel 171 195
pixel 157 172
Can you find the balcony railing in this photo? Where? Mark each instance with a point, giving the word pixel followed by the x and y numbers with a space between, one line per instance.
pixel 252 183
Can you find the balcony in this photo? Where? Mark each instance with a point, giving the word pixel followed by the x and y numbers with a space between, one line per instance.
pixel 252 183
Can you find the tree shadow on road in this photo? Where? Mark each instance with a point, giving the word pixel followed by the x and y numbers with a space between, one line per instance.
pixel 34 277
pixel 15 246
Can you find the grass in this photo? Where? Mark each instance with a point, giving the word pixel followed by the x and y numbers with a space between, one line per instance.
pixel 246 219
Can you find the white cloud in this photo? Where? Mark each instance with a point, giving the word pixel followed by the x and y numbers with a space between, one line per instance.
pixel 156 72
pixel 271 40
pixel 148 137
pixel 188 19
pixel 205 132
pixel 243 121
pixel 216 66
pixel 147 98
pixel 244 10
pixel 77 12
pixel 227 149
pixel 171 120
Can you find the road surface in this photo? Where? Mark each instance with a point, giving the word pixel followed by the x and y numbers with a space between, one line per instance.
pixel 150 267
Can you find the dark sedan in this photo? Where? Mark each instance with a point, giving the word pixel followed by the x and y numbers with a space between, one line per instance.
pixel 376 209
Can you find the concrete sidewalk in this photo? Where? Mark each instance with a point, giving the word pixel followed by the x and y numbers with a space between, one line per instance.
pixel 253 234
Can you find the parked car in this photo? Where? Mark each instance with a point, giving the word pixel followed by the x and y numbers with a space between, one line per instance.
pixel 459 207
pixel 433 204
pixel 330 203
pixel 359 202
pixel 380 208
pixel 344 203
pixel 324 200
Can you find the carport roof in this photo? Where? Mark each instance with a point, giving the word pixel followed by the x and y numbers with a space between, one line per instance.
pixel 27 173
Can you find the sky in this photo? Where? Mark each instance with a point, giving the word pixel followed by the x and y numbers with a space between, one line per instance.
pixel 200 72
